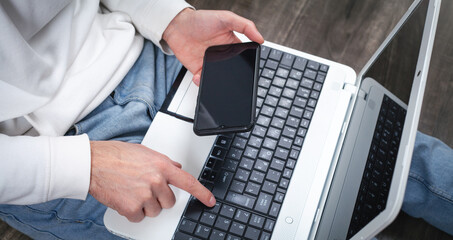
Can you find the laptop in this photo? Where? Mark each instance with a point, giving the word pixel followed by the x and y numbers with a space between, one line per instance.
pixel 328 157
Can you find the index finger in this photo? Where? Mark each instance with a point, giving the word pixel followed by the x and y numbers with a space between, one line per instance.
pixel 183 180
pixel 242 25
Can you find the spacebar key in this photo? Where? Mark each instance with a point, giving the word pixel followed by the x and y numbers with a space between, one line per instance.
pixel 221 184
pixel 243 200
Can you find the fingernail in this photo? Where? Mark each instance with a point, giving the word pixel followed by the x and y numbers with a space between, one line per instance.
pixel 212 201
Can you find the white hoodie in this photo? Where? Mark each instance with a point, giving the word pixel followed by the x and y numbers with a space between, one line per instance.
pixel 59 59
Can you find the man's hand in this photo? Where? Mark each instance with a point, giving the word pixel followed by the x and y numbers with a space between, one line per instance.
pixel 191 32
pixel 133 179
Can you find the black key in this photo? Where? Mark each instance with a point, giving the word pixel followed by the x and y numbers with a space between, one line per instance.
pixel 313 65
pixel 234 153
pixel 239 142
pixel 317 86
pixel 311 102
pixel 264 121
pixel 276 54
pixel 268 73
pixel 296 75
pixel 269 187
pixel 289 93
pixel 187 226
pixel 252 188
pixel 287 173
pixel 270 143
pixel 263 203
pixel 261 165
pixel 279 197
pixel 265 50
pixel 183 236
pixel 227 211
pixel 214 209
pixel 242 200
pixel 279 82
pixel 310 74
pixel 222 184
pixel 277 122
pixel 302 131
pixel 303 92
pixel 262 62
pixel 208 218
pixel 237 186
pixel 300 102
pixel 266 154
pixel 257 221
pixel 252 233
pixel 194 210
pixel 308 114
pixel 291 163
pixel 223 141
pixel 271 64
pixel 287 60
pixel 289 132
pixel 202 231
pixel 283 73
pixel 324 68
pixel 233 237
pixel 314 94
pixel 274 132
pixel 268 111
pixel 294 153
pixel 281 153
pixel 246 163
pixel 291 83
pixel 242 175
pixel 277 164
pixel 275 91
pixel 251 152
pixel 307 83
pixel 269 225
pixel 285 102
pixel 259 131
pixel 284 183
pixel 320 78
pixel 264 82
pixel 217 235
pixel 222 223
pixel 273 175
pixel 230 165
pixel 293 122
pixel 244 134
pixel 237 228
pixel 242 216
pixel 265 236
pixel 304 123
pixel 271 101
pixel 296 111
pixel 257 176
pixel 261 92
pixel 300 63
pixel 275 208
pixel 285 142
pixel 219 152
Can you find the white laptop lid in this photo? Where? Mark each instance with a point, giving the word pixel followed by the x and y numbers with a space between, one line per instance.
pixel 409 45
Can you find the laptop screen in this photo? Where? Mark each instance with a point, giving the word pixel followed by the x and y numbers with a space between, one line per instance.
pixel 395 66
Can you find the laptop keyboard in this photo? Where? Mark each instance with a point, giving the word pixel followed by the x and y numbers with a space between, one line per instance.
pixel 249 172
pixel 375 184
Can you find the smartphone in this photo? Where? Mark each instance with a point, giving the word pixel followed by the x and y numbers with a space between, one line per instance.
pixel 227 94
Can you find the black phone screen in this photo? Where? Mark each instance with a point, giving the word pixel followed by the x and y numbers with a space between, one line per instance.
pixel 227 94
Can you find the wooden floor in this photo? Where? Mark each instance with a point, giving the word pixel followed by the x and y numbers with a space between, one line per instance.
pixel 349 31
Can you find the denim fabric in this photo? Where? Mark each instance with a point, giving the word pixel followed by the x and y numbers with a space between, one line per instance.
pixel 124 116
pixel 429 190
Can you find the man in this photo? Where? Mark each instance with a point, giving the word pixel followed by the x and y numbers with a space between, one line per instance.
pixel 85 67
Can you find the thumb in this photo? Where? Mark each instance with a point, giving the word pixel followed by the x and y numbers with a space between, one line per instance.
pixel 197 77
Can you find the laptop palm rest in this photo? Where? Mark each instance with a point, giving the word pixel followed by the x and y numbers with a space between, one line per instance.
pixel 165 133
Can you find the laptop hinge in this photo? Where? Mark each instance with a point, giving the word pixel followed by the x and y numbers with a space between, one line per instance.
pixel 355 90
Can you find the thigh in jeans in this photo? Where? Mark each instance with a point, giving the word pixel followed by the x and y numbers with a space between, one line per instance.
pixel 124 116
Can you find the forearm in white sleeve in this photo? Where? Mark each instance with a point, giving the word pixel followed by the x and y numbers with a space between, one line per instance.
pixel 150 17
pixel 40 169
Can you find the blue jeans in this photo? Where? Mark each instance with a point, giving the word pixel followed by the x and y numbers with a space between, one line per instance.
pixel 126 116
